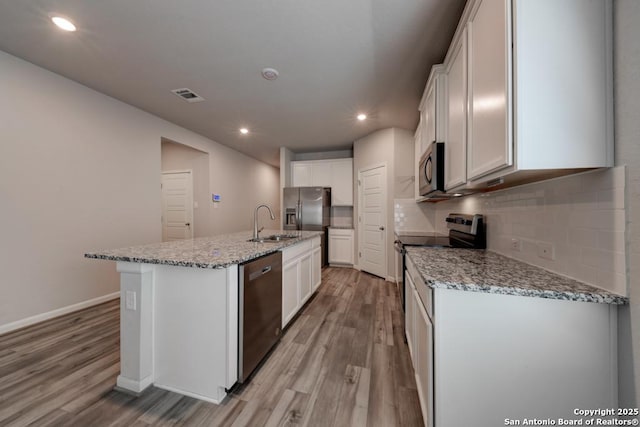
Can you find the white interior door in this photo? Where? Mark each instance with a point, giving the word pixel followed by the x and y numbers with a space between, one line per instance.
pixel 372 220
pixel 177 205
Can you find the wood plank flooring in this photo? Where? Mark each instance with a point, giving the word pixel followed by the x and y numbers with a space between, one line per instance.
pixel 342 362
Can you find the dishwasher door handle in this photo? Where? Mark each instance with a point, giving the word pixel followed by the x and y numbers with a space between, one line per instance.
pixel 253 276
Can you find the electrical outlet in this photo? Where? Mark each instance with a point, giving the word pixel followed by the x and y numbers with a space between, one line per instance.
pixel 546 251
pixel 516 245
pixel 130 300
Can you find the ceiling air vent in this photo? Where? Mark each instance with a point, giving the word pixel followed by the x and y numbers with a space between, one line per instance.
pixel 188 95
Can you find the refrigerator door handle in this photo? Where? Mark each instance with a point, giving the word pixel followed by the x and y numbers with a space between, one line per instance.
pixel 299 215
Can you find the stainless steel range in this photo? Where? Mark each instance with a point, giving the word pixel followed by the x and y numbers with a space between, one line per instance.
pixel 465 231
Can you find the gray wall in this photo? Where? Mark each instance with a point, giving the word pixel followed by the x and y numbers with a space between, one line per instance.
pixel 80 171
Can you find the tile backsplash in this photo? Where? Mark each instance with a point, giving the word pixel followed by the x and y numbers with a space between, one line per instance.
pixel 581 218
pixel 409 216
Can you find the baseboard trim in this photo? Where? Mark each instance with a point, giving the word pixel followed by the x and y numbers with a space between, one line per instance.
pixel 23 323
pixel 191 394
pixel 341 265
pixel 133 386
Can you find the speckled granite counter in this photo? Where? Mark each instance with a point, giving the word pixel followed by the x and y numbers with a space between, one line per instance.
pixel 204 252
pixel 486 271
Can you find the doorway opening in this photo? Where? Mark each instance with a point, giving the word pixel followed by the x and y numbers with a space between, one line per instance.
pixel 185 191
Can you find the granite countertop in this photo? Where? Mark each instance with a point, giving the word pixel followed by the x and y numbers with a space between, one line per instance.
pixel 204 252
pixel 485 271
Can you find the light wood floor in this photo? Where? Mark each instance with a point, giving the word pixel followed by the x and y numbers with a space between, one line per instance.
pixel 342 362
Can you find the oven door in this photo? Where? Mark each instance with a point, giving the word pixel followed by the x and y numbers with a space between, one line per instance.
pixel 431 170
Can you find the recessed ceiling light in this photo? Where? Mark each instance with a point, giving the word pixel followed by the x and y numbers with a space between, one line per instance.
pixel 244 131
pixel 270 73
pixel 63 23
pixel 362 116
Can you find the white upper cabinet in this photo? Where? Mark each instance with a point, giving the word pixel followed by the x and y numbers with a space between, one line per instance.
pixel 335 173
pixel 342 182
pixel 489 132
pixel 455 148
pixel 301 174
pixel 429 113
pixel 529 87
pixel 416 164
pixel 564 66
pixel 321 174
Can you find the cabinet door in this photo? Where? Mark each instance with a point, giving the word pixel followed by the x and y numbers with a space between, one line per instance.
pixel 290 279
pixel 305 278
pixel 416 162
pixel 316 268
pixel 489 136
pixel 409 317
pixel 455 148
pixel 423 360
pixel 301 174
pixel 321 174
pixel 341 249
pixel 429 134
pixel 342 183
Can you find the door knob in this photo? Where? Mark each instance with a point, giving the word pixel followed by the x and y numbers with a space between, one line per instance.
pixel 381 228
pixel 187 224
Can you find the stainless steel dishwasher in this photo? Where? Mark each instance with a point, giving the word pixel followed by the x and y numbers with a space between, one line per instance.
pixel 260 311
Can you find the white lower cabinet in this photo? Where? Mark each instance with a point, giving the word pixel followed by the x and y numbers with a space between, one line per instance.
pixel 340 246
pixel 409 317
pixel 300 276
pixel 316 267
pixel 290 298
pixel 419 332
pixel 482 358
pixel 305 278
pixel 423 350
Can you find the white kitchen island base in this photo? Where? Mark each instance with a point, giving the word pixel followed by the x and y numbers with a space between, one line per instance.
pixel 178 329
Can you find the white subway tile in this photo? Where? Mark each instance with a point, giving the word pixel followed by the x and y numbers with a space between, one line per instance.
pixel 611 281
pixel 610 240
pixel 582 215
pixel 585 237
pixel 611 199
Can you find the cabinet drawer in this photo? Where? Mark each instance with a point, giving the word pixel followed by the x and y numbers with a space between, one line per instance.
pixel 425 292
pixel 296 250
pixel 341 232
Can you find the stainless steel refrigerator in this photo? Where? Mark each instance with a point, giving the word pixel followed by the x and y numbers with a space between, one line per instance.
pixel 308 208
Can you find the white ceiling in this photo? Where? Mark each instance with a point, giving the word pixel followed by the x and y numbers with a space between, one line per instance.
pixel 336 58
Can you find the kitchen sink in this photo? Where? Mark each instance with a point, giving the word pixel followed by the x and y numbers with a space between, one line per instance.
pixel 274 238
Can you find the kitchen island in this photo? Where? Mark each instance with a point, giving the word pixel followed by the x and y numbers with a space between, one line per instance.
pixel 494 339
pixel 179 308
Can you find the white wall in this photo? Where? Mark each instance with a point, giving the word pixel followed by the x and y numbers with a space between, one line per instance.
pixel 627 137
pixel 80 171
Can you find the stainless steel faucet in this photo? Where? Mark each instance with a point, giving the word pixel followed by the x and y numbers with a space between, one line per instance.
pixel 256 232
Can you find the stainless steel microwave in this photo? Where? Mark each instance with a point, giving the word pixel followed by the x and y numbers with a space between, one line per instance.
pixel 431 171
